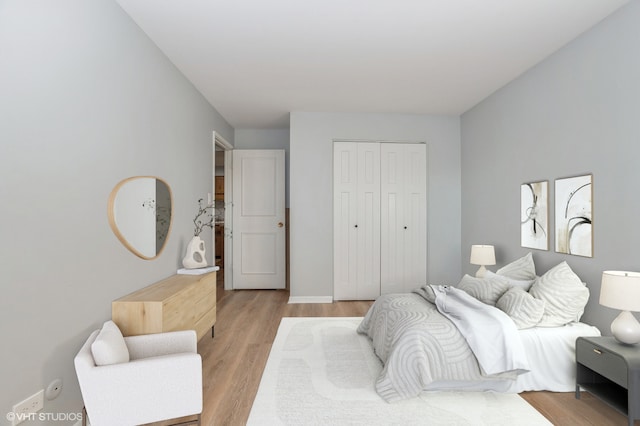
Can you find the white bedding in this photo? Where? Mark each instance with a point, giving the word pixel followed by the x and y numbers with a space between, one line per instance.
pixel 551 354
pixel 422 350
pixel 552 359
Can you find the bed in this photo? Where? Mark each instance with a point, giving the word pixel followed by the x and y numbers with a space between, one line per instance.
pixel 446 337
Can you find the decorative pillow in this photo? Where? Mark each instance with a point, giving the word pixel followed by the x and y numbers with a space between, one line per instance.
pixel 109 346
pixel 486 290
pixel 525 310
pixel 523 284
pixel 521 269
pixel 564 293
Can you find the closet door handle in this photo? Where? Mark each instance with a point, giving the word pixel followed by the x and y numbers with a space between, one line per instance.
pixel 356 226
pixel 405 227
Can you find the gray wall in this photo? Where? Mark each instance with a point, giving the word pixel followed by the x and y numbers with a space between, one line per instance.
pixel 86 100
pixel 575 113
pixel 311 151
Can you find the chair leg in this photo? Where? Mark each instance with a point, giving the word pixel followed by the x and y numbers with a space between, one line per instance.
pixel 189 422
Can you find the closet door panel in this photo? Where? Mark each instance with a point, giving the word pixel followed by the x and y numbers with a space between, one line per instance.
pixel 345 234
pixel 392 219
pixel 403 232
pixel 380 223
pixel 368 221
pixel 415 216
pixel 356 221
pixel 415 249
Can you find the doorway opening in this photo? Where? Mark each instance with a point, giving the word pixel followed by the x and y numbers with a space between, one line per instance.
pixel 222 213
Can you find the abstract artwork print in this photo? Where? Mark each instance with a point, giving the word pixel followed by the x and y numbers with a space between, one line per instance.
pixel 534 215
pixel 574 215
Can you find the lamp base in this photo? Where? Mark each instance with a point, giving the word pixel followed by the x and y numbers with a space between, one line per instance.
pixel 481 272
pixel 626 328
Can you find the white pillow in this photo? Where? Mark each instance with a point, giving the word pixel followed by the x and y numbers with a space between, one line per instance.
pixel 525 310
pixel 522 269
pixel 564 293
pixel 523 284
pixel 486 290
pixel 109 346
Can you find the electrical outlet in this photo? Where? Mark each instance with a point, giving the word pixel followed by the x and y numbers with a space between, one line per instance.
pixel 25 410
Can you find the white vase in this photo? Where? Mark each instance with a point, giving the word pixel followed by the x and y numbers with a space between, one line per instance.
pixel 195 256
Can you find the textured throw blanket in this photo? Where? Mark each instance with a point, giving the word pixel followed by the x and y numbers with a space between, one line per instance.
pixel 421 349
pixel 491 334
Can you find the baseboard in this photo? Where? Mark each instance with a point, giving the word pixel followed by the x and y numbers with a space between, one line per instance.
pixel 311 299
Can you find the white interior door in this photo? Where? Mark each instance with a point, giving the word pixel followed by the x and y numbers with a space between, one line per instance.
pixel 392 218
pixel 415 213
pixel 356 221
pixel 345 186
pixel 258 219
pixel 403 217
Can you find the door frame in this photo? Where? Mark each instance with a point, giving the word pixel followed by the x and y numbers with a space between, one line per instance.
pixel 223 145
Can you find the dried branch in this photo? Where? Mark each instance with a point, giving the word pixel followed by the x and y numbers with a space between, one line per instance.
pixel 200 224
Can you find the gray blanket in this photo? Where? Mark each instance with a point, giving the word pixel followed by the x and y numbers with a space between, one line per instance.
pixel 420 348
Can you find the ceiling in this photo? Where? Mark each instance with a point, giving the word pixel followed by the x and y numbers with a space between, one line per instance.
pixel 256 60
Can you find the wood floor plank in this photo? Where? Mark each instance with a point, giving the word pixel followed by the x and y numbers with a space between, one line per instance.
pixel 247 322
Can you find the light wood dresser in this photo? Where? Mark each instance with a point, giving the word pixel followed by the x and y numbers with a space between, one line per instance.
pixel 180 302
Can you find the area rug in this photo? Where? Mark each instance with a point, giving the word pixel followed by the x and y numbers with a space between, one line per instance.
pixel 322 372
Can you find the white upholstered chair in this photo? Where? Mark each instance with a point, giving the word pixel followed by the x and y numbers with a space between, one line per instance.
pixel 139 379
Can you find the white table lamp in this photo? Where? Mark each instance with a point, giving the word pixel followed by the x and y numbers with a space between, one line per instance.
pixel 482 255
pixel 621 290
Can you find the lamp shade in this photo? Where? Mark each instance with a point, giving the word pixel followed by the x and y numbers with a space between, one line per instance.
pixel 482 255
pixel 620 290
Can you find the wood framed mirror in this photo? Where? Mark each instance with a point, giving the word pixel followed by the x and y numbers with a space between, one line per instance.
pixel 139 211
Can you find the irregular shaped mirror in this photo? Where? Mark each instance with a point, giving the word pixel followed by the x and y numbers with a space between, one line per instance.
pixel 140 214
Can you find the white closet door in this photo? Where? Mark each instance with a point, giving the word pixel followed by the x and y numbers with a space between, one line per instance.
pixel 392 218
pixel 368 221
pixel 415 190
pixel 356 221
pixel 345 163
pixel 403 217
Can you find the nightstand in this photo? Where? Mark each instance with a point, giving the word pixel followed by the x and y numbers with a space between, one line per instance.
pixel 611 371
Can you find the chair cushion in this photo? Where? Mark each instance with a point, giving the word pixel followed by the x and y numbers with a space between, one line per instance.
pixel 109 346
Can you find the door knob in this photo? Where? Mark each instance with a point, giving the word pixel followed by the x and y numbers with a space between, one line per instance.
pixel 280 224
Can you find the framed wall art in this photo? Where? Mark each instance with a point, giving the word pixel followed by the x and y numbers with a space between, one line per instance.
pixel 574 215
pixel 534 215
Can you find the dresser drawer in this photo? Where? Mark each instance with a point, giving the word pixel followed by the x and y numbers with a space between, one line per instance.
pixel 602 362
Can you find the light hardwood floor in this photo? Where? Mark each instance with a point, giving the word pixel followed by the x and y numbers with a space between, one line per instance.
pixel 246 326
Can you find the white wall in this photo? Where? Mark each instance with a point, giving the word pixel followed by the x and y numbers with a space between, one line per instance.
pixel 86 100
pixel 575 113
pixel 311 192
